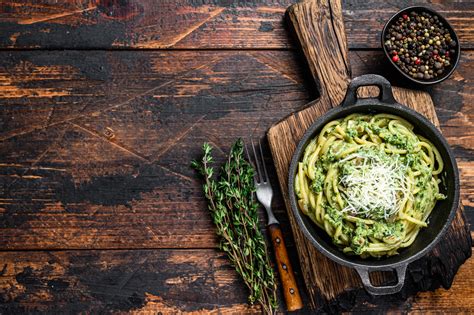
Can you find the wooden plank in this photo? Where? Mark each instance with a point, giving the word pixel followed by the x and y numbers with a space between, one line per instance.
pixel 79 83
pixel 107 165
pixel 319 28
pixel 67 181
pixel 191 24
pixel 167 281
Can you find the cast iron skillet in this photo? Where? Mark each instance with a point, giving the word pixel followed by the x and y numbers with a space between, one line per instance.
pixel 441 216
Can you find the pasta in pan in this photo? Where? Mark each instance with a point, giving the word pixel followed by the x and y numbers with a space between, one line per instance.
pixel 370 182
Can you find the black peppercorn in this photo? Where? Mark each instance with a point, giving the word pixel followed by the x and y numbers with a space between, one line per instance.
pixel 420 45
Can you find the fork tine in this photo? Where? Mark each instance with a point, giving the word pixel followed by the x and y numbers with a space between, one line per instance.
pixel 263 161
pixel 256 162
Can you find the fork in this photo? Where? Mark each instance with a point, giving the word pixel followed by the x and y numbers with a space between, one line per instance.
pixel 264 195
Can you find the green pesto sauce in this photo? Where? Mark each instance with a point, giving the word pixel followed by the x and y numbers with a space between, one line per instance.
pixel 389 231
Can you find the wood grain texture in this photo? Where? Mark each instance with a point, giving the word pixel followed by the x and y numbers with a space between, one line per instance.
pixel 327 56
pixel 332 284
pixel 289 286
pixel 143 281
pixel 192 24
pixel 108 165
pixel 168 281
pixel 99 167
pixel 95 145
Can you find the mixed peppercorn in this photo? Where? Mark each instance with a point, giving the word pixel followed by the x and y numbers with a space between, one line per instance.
pixel 420 45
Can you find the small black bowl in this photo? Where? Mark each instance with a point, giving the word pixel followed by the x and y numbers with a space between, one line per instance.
pixel 448 26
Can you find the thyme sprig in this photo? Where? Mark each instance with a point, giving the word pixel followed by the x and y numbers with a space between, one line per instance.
pixel 234 213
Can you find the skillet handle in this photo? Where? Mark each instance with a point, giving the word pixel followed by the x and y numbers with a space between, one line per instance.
pixel 383 290
pixel 385 94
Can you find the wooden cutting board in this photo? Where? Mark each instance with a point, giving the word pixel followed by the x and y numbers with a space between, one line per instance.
pixel 319 27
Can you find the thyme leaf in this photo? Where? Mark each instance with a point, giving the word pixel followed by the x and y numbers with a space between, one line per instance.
pixel 235 216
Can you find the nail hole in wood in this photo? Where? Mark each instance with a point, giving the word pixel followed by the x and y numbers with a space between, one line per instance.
pixel 109 133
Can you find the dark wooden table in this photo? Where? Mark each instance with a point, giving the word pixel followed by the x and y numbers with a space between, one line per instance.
pixel 104 104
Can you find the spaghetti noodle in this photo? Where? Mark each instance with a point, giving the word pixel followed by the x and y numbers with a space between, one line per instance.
pixel 370 182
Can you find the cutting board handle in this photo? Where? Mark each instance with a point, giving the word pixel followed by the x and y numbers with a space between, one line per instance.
pixel 325 48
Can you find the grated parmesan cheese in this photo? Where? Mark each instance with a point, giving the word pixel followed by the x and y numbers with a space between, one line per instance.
pixel 376 187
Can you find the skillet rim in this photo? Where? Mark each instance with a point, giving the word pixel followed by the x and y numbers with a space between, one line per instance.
pixel 378 106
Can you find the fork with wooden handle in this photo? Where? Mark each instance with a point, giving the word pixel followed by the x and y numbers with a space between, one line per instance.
pixel 264 195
